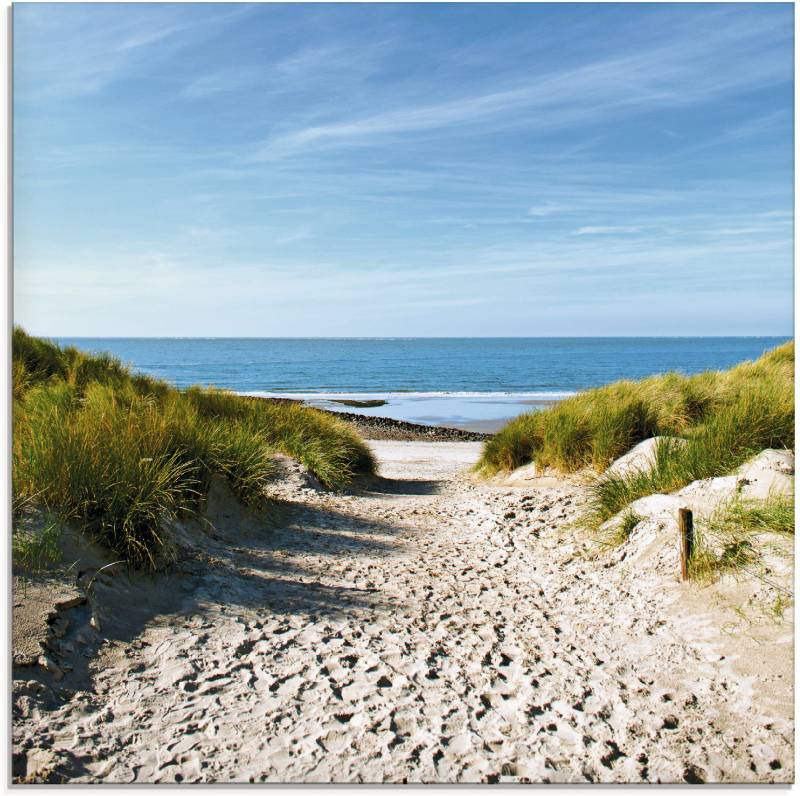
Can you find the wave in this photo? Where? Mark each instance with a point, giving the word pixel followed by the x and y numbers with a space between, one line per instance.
pixel 553 395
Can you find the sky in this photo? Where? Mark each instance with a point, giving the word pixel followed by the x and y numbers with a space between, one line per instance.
pixel 403 170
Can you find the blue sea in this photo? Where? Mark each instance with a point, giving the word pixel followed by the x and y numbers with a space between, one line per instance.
pixel 465 382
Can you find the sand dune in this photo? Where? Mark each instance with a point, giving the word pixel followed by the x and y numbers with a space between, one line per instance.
pixel 426 628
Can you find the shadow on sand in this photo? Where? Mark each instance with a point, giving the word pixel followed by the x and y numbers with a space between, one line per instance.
pixel 411 487
pixel 272 560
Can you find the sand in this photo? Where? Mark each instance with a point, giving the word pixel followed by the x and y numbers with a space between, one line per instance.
pixel 425 628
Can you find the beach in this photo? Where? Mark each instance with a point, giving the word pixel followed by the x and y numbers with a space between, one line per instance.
pixel 482 414
pixel 422 626
pixel 401 393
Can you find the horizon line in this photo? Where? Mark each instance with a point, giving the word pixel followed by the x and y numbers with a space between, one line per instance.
pixel 421 337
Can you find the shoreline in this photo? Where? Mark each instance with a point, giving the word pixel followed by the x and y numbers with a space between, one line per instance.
pixel 371 427
pixel 484 427
pixel 387 428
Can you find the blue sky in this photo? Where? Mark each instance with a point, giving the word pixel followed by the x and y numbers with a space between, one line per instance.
pixel 475 169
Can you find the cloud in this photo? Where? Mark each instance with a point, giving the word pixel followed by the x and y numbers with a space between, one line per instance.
pixel 318 59
pixel 406 120
pixel 682 72
pixel 75 50
pixel 220 82
pixel 758 127
pixel 147 37
pixel 607 230
pixel 189 282
pixel 299 234
pixel 547 209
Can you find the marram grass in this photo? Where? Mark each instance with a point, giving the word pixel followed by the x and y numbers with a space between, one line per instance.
pixel 119 453
pixel 727 541
pixel 724 416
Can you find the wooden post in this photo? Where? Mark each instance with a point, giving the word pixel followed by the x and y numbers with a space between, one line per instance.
pixel 686 528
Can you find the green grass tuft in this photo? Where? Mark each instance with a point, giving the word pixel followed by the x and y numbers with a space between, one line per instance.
pixel 34 551
pixel 595 427
pixel 629 521
pixel 726 541
pixel 118 454
pixel 619 532
pixel 725 417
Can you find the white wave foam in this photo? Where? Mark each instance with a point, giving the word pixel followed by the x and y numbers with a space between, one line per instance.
pixel 374 396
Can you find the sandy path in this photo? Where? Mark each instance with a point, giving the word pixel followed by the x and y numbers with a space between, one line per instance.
pixel 428 630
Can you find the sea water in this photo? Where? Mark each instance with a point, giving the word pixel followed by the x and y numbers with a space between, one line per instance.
pixel 469 382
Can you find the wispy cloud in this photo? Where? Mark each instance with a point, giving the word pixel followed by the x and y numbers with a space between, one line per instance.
pixel 97 44
pixel 221 81
pixel 312 60
pixel 681 73
pixel 334 68
pixel 407 120
pixel 607 230
pixel 302 233
pixel 757 126
pixel 547 209
pixel 318 169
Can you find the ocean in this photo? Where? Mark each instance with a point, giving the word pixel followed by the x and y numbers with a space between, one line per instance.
pixel 474 383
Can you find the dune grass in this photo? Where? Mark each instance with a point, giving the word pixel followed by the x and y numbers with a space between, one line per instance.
pixel 773 515
pixel 629 520
pixel 724 416
pixel 327 447
pixel 727 540
pixel 762 418
pixel 597 426
pixel 119 453
pixel 35 550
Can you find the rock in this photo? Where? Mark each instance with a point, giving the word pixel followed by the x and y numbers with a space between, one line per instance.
pixel 642 456
pixel 388 428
